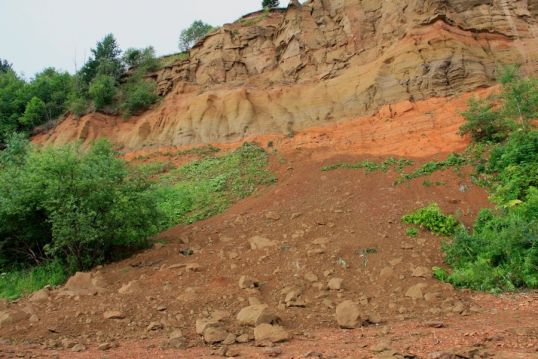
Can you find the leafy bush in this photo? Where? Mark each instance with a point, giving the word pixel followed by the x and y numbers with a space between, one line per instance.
pixel 484 123
pixel 138 95
pixel 70 205
pixel 501 252
pixel 432 219
pixel 102 91
pixel 411 232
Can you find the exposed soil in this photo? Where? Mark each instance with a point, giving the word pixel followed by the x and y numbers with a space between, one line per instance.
pixel 324 225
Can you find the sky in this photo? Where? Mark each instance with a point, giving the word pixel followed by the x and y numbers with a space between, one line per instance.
pixel 35 34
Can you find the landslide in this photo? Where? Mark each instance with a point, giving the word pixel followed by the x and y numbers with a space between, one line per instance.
pixel 320 63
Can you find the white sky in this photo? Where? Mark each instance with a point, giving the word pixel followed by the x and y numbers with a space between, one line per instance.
pixel 35 34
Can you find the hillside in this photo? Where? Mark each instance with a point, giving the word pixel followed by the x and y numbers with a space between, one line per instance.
pixel 321 63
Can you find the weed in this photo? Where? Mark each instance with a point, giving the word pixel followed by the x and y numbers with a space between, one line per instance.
pixel 370 166
pixel 432 219
pixel 411 232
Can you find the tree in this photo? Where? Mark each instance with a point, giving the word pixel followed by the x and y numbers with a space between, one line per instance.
pixel 140 58
pixel 102 91
pixel 53 88
pixel 106 60
pixel 5 66
pixel 35 113
pixel 192 34
pixel 270 4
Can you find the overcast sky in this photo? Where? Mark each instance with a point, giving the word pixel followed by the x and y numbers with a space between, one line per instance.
pixel 35 34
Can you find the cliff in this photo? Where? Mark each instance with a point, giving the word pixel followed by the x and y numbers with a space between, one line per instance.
pixel 322 62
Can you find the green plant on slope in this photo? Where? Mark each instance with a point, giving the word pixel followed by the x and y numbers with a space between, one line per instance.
pixel 432 219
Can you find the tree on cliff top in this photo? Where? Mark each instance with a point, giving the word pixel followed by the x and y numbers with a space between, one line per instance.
pixel 271 4
pixel 192 34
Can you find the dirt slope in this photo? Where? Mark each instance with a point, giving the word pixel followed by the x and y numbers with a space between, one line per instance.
pixel 323 62
pixel 320 227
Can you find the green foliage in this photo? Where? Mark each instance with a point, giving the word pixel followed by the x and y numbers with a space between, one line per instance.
pixel 207 187
pixel 192 34
pixel 432 219
pixel 453 160
pixel 5 66
pixel 17 283
pixel 411 232
pixel 141 58
pixel 65 204
pixel 484 123
pixel 515 165
pixel 501 252
pixel 105 60
pixel 270 4
pixel 369 166
pixel 34 113
pixel 102 91
pixel 138 95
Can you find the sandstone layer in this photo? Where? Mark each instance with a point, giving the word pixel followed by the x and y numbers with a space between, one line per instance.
pixel 321 62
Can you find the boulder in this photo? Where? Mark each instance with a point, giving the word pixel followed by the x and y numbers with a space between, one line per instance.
pixel 257 314
pixel 271 333
pixel 348 315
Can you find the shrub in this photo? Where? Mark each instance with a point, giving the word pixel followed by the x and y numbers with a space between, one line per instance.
pixel 138 95
pixel 432 219
pixel 102 91
pixel 484 123
pixel 411 232
pixel 70 205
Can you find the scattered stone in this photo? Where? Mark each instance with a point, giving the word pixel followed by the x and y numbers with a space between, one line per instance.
pixel 296 215
pixel 386 273
pixel 272 216
pixel 317 355
pixel 84 284
pixel 68 343
pixel 153 326
pixel 220 315
pixel 113 314
pixel 258 242
pixel 78 348
pixel 104 346
pixel 193 267
pixel 243 338
pixel 311 277
pixel 186 252
pixel 246 282
pixel 335 284
pixel 421 272
pixel 40 296
pixel 202 324
pixel 382 346
pixel 434 324
pixel 273 352
pixel 230 339
pixel 257 314
pixel 214 334
pixel 272 333
pixel 293 299
pixel 348 315
pixel 131 288
pixel 415 291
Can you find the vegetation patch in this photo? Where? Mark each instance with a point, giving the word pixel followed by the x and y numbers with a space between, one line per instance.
pixel 500 251
pixel 454 160
pixel 16 283
pixel 371 166
pixel 432 219
pixel 209 186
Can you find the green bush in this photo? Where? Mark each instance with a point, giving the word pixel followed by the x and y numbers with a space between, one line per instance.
pixel 411 232
pixel 102 91
pixel 501 252
pixel 74 206
pixel 138 95
pixel 432 219
pixel 484 123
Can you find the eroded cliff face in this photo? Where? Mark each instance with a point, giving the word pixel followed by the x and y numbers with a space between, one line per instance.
pixel 320 62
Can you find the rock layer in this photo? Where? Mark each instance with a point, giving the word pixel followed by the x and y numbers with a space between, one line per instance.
pixel 321 62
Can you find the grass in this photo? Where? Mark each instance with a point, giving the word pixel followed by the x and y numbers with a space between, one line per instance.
pixel 454 160
pixel 371 166
pixel 207 187
pixel 18 283
pixel 168 60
